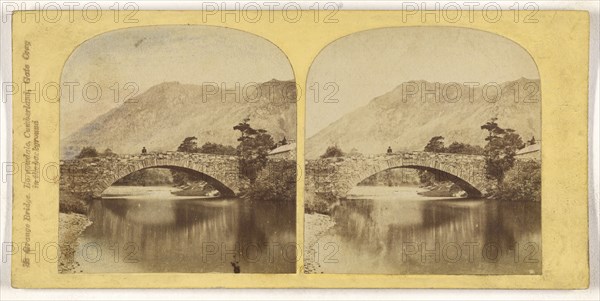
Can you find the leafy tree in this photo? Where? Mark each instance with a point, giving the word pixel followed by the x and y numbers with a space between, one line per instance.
pixel 333 151
pixel 253 149
pixel 88 152
pixel 435 145
pixel 189 145
pixel 217 149
pixel 500 150
pixel 464 148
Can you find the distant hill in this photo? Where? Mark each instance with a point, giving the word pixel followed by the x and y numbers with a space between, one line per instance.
pixel 407 123
pixel 161 117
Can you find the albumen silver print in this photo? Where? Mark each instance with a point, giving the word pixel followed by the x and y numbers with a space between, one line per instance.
pixel 423 155
pixel 186 161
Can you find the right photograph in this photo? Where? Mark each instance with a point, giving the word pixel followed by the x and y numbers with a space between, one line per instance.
pixel 423 154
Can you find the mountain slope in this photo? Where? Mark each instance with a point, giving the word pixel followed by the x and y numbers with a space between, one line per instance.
pixel 406 117
pixel 165 114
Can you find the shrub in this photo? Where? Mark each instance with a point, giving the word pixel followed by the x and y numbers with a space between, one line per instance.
pixel 277 182
pixel 522 183
pixel 88 152
pixel 333 151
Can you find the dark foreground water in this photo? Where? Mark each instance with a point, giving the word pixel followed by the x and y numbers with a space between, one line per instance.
pixel 147 229
pixel 393 230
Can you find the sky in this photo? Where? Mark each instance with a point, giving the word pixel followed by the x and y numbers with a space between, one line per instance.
pixel 147 56
pixel 364 65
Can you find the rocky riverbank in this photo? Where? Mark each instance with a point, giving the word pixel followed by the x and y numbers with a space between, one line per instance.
pixel 315 227
pixel 70 227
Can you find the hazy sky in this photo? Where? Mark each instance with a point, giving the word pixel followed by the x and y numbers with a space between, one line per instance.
pixel 151 55
pixel 371 63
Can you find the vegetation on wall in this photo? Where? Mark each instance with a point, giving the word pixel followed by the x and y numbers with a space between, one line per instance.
pixel 332 152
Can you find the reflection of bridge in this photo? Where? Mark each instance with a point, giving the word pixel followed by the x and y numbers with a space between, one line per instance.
pixel 336 176
pixel 89 177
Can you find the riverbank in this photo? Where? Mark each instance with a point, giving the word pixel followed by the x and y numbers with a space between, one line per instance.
pixel 315 227
pixel 70 227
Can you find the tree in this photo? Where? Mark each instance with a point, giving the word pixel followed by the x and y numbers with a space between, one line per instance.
pixel 464 148
pixel 88 152
pixel 217 149
pixel 435 145
pixel 189 145
pixel 500 150
pixel 253 149
pixel 333 151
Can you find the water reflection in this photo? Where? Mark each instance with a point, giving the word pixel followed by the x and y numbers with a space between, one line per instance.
pixel 401 232
pixel 149 230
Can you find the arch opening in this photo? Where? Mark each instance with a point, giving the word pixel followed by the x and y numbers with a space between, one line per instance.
pixel 440 175
pixel 178 175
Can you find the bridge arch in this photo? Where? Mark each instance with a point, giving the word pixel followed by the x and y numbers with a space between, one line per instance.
pixel 469 188
pixel 89 177
pixel 217 184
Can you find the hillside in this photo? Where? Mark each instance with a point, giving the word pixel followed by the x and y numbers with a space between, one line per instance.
pixel 407 123
pixel 161 117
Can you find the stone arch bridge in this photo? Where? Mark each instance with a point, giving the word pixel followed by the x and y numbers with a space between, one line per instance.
pixel 335 177
pixel 89 177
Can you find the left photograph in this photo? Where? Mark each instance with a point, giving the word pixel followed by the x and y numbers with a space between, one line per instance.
pixel 178 153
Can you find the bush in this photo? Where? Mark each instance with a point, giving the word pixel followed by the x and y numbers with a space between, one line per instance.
pixel 217 149
pixel 522 183
pixel 333 151
pixel 277 182
pixel 88 152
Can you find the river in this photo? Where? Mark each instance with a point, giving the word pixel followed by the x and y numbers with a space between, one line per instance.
pixel 148 229
pixel 393 230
